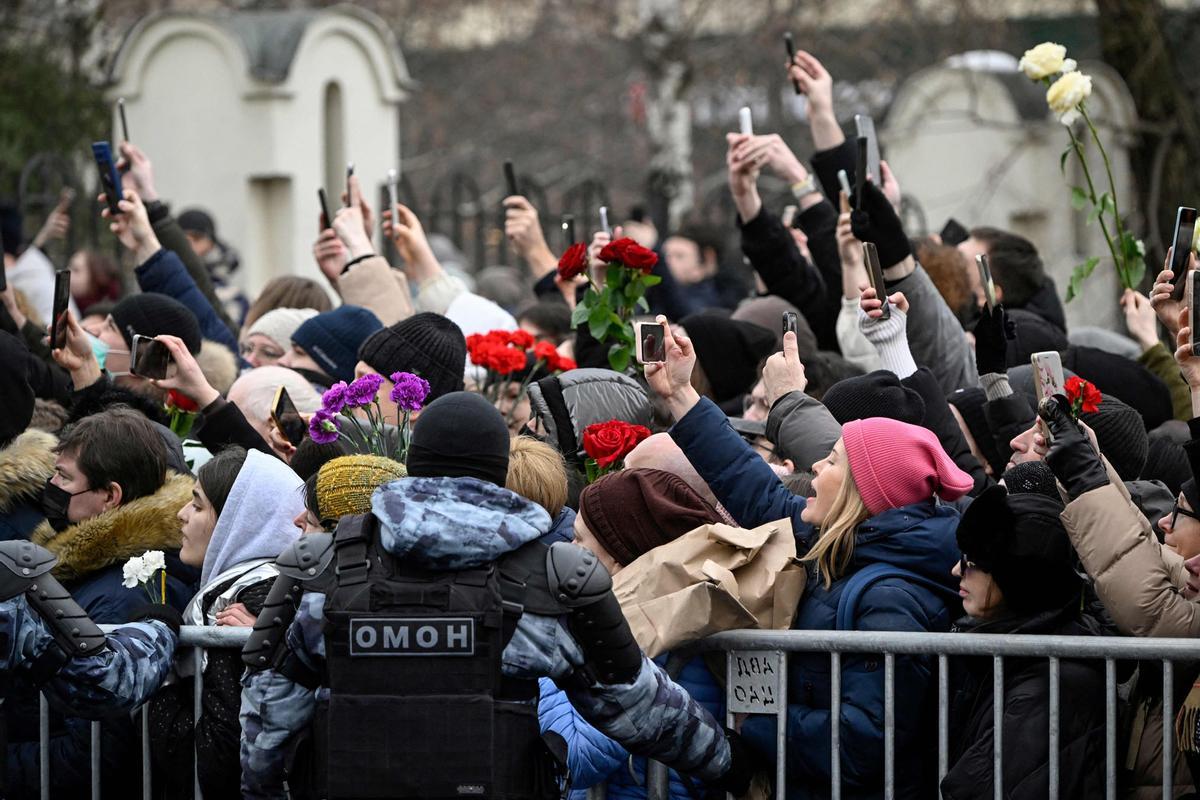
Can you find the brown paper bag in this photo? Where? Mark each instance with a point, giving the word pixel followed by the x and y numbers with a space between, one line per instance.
pixel 714 578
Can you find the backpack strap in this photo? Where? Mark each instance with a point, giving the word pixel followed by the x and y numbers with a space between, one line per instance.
pixel 564 428
pixel 858 584
pixel 350 549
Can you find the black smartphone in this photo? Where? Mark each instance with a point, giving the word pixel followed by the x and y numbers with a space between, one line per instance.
pixel 1181 246
pixel 953 233
pixel 326 220
pixel 287 418
pixel 650 340
pixel 789 322
pixel 510 178
pixel 568 228
pixel 124 122
pixel 790 44
pixel 875 275
pixel 865 129
pixel 1193 303
pixel 58 314
pixel 860 171
pixel 985 280
pixel 148 357
pixel 110 179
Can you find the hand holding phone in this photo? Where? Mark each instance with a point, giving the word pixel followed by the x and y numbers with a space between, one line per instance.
pixel 286 418
pixel 149 358
pixel 875 276
pixel 790 45
pixel 790 322
pixel 650 341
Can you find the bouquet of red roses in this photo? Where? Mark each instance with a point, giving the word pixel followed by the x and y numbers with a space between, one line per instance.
pixel 511 358
pixel 607 444
pixel 608 309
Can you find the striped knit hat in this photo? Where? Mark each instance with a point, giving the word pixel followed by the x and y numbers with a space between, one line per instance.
pixel 345 485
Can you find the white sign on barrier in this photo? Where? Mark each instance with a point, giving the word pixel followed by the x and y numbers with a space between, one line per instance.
pixel 755 681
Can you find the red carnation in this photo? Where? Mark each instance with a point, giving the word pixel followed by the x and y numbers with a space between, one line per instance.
pixel 176 399
pixel 1083 396
pixel 628 252
pixel 565 364
pixel 609 442
pixel 521 338
pixel 574 262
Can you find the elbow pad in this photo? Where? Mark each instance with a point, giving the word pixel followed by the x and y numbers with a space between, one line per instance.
pixel 581 583
pixel 25 569
pixel 302 565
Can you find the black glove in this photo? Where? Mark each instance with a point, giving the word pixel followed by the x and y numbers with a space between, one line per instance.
pixel 992 333
pixel 736 779
pixel 1071 456
pixel 165 614
pixel 874 220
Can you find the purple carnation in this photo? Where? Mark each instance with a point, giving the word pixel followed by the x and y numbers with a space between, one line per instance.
pixel 362 392
pixel 409 392
pixel 334 399
pixel 323 427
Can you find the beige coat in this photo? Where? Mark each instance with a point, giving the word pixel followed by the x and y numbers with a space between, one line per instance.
pixel 1140 583
pixel 374 285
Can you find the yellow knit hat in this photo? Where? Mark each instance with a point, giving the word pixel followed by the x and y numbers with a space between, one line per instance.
pixel 345 485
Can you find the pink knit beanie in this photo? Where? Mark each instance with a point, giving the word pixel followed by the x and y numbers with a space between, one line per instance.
pixel 895 464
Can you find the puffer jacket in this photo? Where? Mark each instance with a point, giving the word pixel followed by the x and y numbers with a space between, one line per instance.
pixel 918 538
pixel 1026 720
pixel 561 406
pixel 592 757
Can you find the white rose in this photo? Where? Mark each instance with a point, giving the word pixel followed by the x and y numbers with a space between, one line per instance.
pixel 1043 61
pixel 132 572
pixel 154 560
pixel 1066 93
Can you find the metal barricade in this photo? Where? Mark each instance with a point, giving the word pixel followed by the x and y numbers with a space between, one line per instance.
pixel 765 672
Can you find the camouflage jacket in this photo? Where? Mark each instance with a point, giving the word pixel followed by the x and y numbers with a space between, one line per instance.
pixel 117 679
pixel 652 716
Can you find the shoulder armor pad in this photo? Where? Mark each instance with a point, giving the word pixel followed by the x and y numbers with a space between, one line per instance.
pixel 576 576
pixel 21 563
pixel 308 558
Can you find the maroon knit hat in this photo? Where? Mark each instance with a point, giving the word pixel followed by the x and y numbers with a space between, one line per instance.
pixel 635 510
pixel 895 464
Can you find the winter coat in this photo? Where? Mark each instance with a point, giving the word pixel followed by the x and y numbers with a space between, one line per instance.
pixel 164 273
pixel 1045 304
pixel 563 527
pixel 172 237
pixel 919 538
pixel 584 397
pixel 592 757
pixel 375 286
pixel 647 714
pixel 222 425
pixel 25 466
pixel 1026 720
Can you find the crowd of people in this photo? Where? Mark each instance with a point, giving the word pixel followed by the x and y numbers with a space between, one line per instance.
pixel 926 484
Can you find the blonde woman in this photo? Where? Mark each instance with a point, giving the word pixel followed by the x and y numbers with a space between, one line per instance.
pixel 874 502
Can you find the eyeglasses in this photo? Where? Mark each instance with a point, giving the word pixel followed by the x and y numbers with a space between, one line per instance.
pixel 964 565
pixel 1176 510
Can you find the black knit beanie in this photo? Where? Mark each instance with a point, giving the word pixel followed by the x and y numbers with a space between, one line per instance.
pixel 876 394
pixel 460 435
pixel 425 344
pixel 152 314
pixel 1124 379
pixel 1166 460
pixel 970 403
pixel 1020 541
pixel 16 396
pixel 729 351
pixel 1121 436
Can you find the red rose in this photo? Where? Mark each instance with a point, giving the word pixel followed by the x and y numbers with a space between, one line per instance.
pixel 609 442
pixel 547 352
pixel 628 252
pixel 520 338
pixel 574 262
pixel 176 399
pixel 1084 396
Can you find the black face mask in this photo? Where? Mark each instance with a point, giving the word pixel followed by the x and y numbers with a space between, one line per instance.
pixel 55 502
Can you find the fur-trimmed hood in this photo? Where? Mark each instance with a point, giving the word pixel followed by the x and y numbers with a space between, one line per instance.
pixel 25 466
pixel 148 523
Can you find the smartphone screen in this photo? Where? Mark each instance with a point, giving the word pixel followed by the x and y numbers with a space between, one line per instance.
pixel 1193 300
pixel 865 127
pixel 148 358
pixel 875 275
pixel 1047 374
pixel 789 322
pixel 58 316
pixel 326 220
pixel 110 179
pixel 651 342
pixel 1181 245
pixel 985 280
pixel 287 418
pixel 510 178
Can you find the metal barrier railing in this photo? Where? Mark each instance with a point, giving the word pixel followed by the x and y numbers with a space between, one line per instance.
pixel 759 682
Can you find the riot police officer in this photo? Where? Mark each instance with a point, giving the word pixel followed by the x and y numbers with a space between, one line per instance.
pixel 422 629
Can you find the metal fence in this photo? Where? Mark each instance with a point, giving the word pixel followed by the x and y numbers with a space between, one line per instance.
pixel 756 682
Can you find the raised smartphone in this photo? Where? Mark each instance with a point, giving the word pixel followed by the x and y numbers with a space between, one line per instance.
pixel 865 128
pixel 1181 246
pixel 58 313
pixel 650 341
pixel 110 179
pixel 875 276
pixel 148 357
pixel 985 280
pixel 286 418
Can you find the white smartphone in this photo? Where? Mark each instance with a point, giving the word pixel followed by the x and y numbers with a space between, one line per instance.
pixel 393 189
pixel 1047 374
pixel 744 120
pixel 604 226
pixel 650 342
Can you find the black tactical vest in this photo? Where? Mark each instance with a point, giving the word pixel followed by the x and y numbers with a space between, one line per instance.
pixel 417 705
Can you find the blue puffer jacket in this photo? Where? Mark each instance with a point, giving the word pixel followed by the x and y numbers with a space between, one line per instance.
pixel 592 756
pixel 919 538
pixel 164 273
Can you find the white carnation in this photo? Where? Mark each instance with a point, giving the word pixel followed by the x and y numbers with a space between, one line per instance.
pixel 1044 60
pixel 132 572
pixel 155 560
